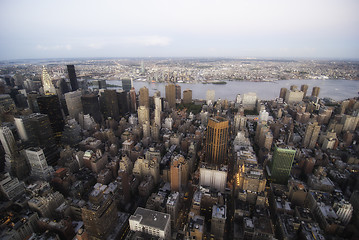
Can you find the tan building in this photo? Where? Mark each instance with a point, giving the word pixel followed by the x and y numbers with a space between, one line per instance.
pixel 144 99
pixel 171 95
pixel 217 140
pixel 311 135
pixel 179 173
pixel 187 96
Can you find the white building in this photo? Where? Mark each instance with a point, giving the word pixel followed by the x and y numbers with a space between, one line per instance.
pixel 143 115
pixel 151 222
pixel 293 96
pixel 263 116
pixel 249 100
pixel 38 163
pixel 168 123
pixel 11 187
pixel 213 178
pixel 344 210
pixel 210 96
pixel 132 120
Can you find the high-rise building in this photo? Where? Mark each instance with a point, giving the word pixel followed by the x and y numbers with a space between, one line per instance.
pixel 151 222
pixel 47 83
pixel 281 164
pixel 143 115
pixel 90 105
pixel 293 96
pixel 32 100
pixel 124 102
pixel 304 89
pixel 110 104
pixel 74 104
pixel 15 163
pixel 38 163
pixel 127 85
pixel 133 101
pixel 210 94
pixel 179 173
pixel 99 215
pixel 249 100
pixel 213 177
pixel 315 91
pixel 171 95
pixel 50 105
pixel 217 140
pixel 10 187
pixel 218 222
pixel 187 96
pixel 172 207
pixel 311 135
pixel 144 99
pixel 35 129
pixel 145 167
pixel 72 77
pixel 282 93
pixel 178 92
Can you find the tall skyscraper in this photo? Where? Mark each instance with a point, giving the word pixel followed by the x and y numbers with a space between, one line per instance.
pixel 178 91
pixel 304 89
pixel 187 96
pixel 50 105
pixel 15 164
pixel 311 135
pixel 171 95
pixel 210 94
pixel 90 105
pixel 315 91
pixel 144 99
pixel 143 115
pixel 110 104
pixel 47 83
pixel 72 77
pixel 133 100
pixel 179 173
pixel 217 140
pixel 282 93
pixel 127 84
pixel 281 164
pixel 74 104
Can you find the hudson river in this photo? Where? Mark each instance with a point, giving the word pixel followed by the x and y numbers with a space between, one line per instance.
pixel 335 89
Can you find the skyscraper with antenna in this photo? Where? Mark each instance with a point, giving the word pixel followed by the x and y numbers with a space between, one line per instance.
pixel 47 85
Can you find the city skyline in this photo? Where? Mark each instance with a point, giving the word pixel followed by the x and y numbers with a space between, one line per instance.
pixel 234 29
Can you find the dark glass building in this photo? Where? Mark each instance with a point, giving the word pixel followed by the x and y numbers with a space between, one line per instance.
pixel 72 77
pixel 90 105
pixel 50 105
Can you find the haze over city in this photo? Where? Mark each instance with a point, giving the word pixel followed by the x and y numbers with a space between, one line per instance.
pixel 261 29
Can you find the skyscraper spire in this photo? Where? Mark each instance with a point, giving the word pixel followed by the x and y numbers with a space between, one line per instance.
pixel 49 88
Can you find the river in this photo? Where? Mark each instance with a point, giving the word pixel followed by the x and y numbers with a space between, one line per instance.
pixel 335 89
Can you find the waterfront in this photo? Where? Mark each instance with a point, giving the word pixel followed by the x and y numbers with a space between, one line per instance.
pixel 335 89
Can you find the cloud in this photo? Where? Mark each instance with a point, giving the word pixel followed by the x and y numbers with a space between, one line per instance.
pixel 54 48
pixel 96 45
pixel 147 41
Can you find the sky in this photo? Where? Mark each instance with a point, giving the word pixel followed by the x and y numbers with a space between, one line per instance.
pixel 310 29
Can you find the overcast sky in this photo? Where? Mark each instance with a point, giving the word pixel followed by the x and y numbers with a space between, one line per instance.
pixel 182 28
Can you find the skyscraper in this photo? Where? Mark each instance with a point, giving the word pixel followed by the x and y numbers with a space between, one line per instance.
pixel 281 164
pixel 50 105
pixel 210 96
pixel 304 89
pixel 187 96
pixel 217 140
pixel 47 83
pixel 315 91
pixel 110 104
pixel 74 104
pixel 171 95
pixel 127 85
pixel 178 91
pixel 133 101
pixel 144 99
pixel 311 135
pixel 143 115
pixel 72 77
pixel 90 105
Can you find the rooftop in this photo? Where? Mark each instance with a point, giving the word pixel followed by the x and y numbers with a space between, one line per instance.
pixel 151 218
